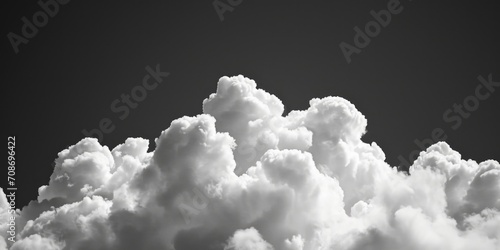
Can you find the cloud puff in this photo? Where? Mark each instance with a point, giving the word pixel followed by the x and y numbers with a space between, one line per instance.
pixel 247 239
pixel 245 176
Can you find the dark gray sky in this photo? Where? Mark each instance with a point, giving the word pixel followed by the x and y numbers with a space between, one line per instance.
pixel 426 59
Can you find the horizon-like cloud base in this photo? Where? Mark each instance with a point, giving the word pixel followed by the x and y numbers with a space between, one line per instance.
pixel 243 176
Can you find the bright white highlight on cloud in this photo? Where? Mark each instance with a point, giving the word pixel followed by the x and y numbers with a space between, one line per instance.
pixel 243 176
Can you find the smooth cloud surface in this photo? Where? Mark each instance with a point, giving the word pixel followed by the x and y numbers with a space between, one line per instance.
pixel 243 176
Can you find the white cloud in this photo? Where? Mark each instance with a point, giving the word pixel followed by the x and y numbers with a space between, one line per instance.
pixel 247 239
pixel 243 176
pixel 35 241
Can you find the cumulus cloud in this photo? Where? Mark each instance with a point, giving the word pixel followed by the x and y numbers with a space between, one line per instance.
pixel 244 175
pixel 247 239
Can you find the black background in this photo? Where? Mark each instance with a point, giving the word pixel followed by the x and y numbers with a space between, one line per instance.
pixel 91 52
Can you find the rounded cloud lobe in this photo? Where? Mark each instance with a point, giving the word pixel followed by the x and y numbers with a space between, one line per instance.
pixel 243 176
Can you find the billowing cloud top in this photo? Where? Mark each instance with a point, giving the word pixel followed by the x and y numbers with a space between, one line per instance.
pixel 243 176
